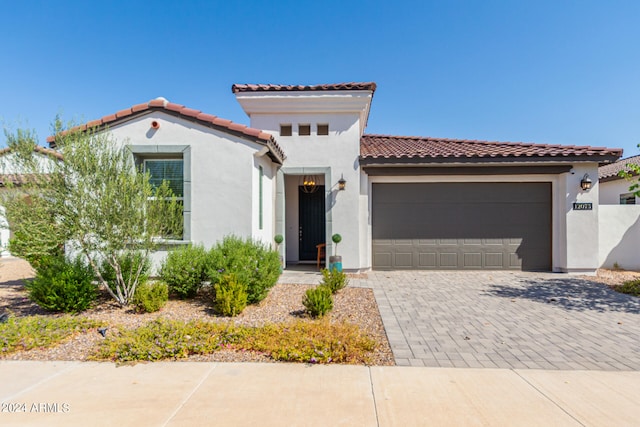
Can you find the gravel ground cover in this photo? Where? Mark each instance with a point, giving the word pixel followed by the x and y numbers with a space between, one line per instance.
pixel 284 303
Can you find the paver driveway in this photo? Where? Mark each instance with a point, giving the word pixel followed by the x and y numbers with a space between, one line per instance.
pixel 506 320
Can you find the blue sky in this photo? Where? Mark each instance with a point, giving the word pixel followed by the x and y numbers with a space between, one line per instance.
pixel 560 71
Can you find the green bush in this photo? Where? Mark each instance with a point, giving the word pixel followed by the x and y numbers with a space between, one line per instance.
pixel 631 287
pixel 334 280
pixel 318 301
pixel 230 296
pixel 185 269
pixel 151 296
pixel 253 263
pixel 129 263
pixel 63 285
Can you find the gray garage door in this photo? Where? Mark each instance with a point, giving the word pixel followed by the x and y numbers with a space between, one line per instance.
pixel 462 226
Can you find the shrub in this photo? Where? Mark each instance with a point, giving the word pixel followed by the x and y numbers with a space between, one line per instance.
pixel 25 333
pixel 151 296
pixel 334 279
pixel 631 287
pixel 318 301
pixel 185 269
pixel 129 263
pixel 301 341
pixel 63 285
pixel 230 295
pixel 253 263
pixel 313 342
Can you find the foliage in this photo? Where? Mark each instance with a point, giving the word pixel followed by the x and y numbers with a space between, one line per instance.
pixel 25 333
pixel 151 296
pixel 163 339
pixel 313 342
pixel 301 341
pixel 631 287
pixel 95 200
pixel 318 301
pixel 336 238
pixel 252 262
pixel 230 295
pixel 334 279
pixel 62 285
pixel 184 270
pixel 132 265
pixel 278 238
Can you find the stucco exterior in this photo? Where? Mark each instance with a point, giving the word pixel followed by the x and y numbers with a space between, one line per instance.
pixel 221 175
pixel 610 191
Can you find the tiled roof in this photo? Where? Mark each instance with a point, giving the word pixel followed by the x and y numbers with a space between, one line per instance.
pixel 37 149
pixel 161 104
pixel 297 88
pixel 412 149
pixel 610 172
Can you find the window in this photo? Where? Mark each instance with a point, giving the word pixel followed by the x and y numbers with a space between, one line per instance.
pixel 171 171
pixel 285 130
pixel 323 129
pixel 628 199
pixel 304 130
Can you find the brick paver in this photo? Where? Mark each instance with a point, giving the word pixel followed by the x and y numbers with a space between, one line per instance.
pixel 510 320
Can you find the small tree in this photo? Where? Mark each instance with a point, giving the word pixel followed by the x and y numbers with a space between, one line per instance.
pixel 95 202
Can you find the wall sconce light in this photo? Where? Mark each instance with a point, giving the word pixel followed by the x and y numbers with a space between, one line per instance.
pixel 155 125
pixel 586 182
pixel 342 183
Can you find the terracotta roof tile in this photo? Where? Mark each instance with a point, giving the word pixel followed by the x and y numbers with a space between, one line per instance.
pixel 610 172
pixel 37 149
pixel 162 104
pixel 236 88
pixel 387 148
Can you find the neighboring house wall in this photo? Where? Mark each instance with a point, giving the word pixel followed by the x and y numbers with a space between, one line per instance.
pixel 619 230
pixel 610 191
pixel 221 178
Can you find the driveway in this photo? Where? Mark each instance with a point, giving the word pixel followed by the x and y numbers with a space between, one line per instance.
pixel 506 320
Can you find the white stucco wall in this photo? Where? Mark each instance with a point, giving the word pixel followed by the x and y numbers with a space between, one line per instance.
pixel 610 191
pixel 581 244
pixel 338 151
pixel 619 232
pixel 222 178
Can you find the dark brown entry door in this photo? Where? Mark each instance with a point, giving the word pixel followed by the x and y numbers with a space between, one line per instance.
pixel 311 216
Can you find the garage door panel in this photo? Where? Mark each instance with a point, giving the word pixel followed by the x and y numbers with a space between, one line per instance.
pixel 472 260
pixel 427 260
pixel 463 225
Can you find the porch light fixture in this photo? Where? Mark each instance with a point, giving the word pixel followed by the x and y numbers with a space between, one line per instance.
pixel 309 183
pixel 342 183
pixel 586 182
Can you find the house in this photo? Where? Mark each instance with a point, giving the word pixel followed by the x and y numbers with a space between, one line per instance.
pixel 619 218
pixel 614 190
pixel 306 169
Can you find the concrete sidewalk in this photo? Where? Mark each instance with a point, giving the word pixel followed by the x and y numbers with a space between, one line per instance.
pixel 246 394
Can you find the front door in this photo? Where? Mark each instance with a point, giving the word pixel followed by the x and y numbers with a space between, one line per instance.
pixel 311 219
